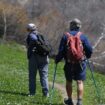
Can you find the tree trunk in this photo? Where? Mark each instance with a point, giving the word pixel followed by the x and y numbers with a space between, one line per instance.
pixel 5 25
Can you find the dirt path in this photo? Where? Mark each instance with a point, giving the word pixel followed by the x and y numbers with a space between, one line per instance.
pixel 61 88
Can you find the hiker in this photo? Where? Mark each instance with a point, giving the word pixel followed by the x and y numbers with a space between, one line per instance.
pixel 74 70
pixel 37 61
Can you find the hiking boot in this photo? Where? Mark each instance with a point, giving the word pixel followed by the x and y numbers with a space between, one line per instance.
pixel 46 95
pixel 79 102
pixel 31 94
pixel 68 102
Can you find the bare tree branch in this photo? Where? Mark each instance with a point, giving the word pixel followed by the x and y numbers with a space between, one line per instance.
pixel 99 57
pixel 100 38
pixel 98 41
pixel 98 64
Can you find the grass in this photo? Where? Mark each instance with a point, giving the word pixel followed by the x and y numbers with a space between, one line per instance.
pixel 14 81
pixel 90 91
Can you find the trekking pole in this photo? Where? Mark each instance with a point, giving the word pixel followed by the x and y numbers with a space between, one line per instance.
pixel 91 70
pixel 52 89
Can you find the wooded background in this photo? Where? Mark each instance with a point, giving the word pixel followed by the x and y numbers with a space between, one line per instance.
pixel 52 18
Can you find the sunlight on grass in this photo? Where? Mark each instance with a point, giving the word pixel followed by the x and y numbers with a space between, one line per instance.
pixel 14 81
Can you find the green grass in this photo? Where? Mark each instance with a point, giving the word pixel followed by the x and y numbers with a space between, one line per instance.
pixel 90 91
pixel 14 81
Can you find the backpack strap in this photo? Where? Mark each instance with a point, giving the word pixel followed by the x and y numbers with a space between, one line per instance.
pixel 67 34
pixel 79 34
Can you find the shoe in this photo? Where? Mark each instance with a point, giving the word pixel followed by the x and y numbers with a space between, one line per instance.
pixel 46 95
pixel 68 102
pixel 79 102
pixel 31 94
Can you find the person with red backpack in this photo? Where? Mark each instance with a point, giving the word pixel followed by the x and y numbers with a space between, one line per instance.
pixel 74 48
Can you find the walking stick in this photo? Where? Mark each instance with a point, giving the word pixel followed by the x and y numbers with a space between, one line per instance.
pixel 91 70
pixel 52 91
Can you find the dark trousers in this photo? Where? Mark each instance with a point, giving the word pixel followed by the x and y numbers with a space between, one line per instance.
pixel 38 63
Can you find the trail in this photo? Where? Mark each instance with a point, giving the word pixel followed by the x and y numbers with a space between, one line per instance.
pixel 61 88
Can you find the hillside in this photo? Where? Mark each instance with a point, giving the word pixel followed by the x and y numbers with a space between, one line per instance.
pixel 14 81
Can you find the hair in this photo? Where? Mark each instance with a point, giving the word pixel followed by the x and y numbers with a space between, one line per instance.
pixel 31 27
pixel 75 24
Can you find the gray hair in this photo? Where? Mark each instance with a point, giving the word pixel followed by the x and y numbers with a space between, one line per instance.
pixel 31 26
pixel 77 22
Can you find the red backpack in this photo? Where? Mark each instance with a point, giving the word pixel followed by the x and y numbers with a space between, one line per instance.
pixel 75 51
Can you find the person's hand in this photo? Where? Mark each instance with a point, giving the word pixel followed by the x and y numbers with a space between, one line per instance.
pixel 56 60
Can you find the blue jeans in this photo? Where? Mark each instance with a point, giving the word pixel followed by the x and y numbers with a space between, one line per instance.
pixel 38 63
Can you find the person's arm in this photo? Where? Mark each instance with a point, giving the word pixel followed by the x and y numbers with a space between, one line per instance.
pixel 61 51
pixel 33 39
pixel 87 46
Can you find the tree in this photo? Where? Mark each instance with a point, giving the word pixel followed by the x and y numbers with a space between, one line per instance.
pixel 12 20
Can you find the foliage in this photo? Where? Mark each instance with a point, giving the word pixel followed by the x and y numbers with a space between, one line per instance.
pixel 12 21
